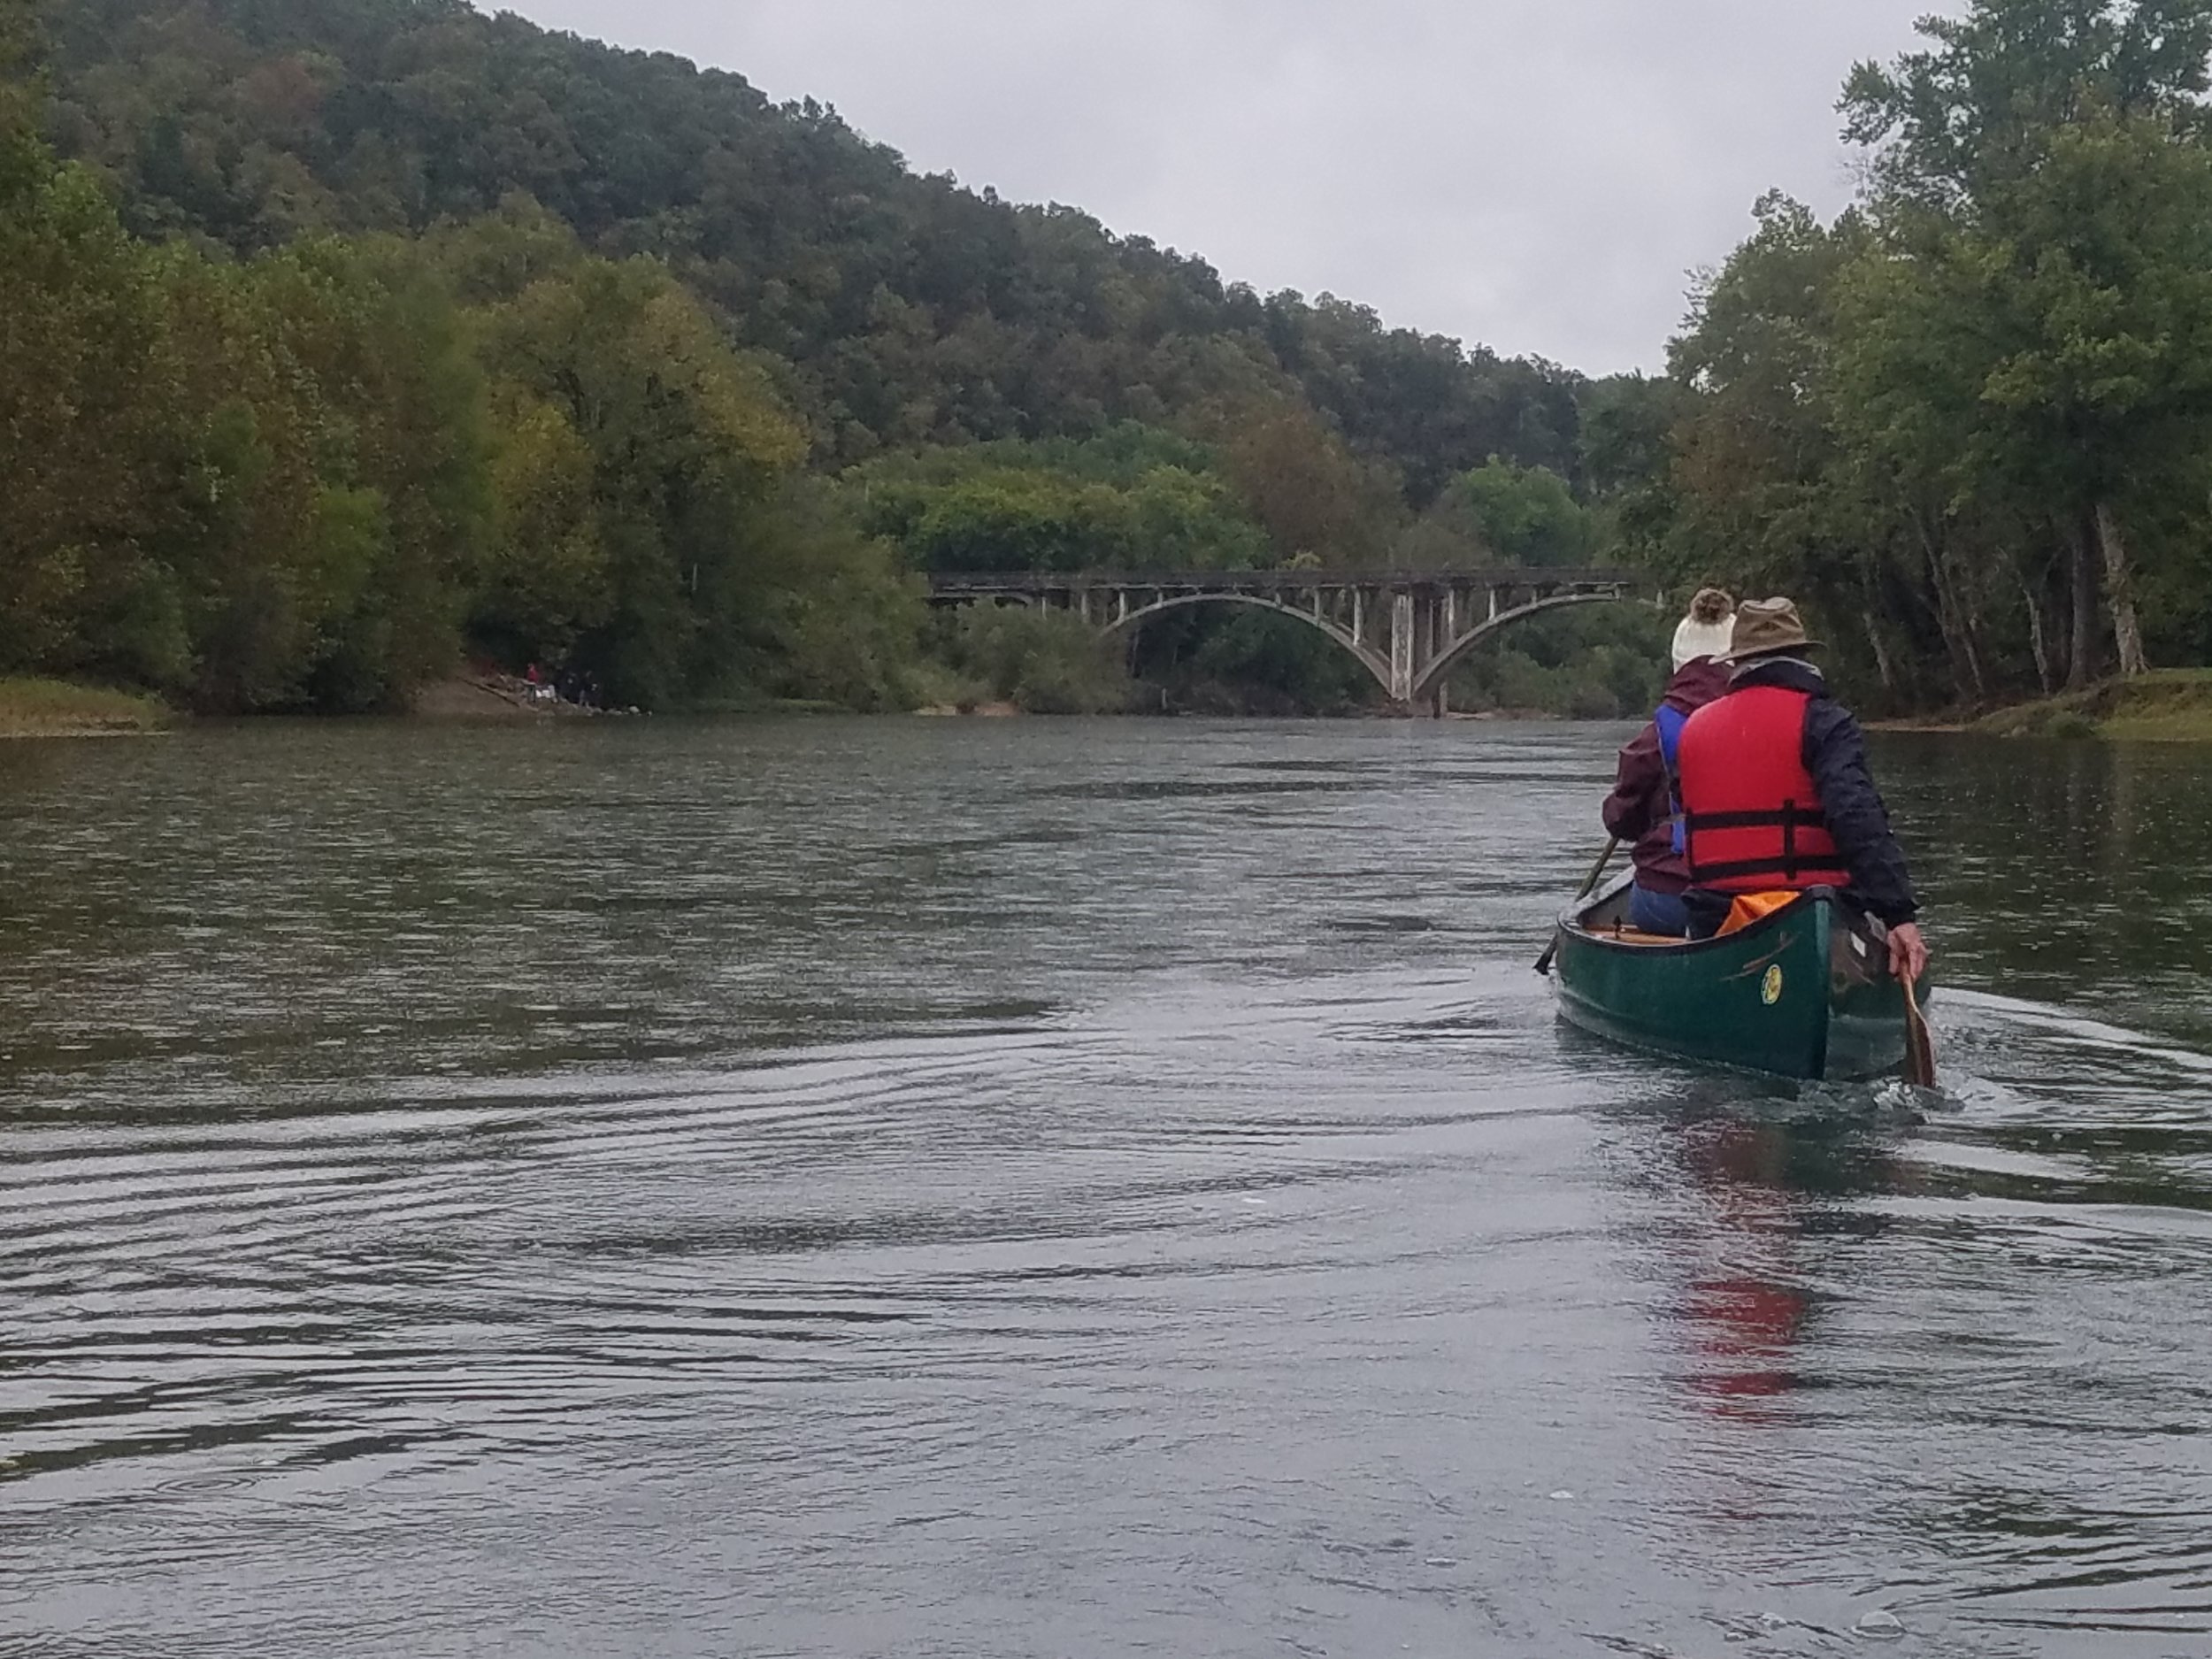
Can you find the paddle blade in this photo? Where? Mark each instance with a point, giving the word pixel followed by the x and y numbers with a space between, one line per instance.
pixel 1920 1066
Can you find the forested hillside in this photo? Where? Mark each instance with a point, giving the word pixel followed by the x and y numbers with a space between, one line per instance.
pixel 343 338
pixel 910 310
pixel 387 329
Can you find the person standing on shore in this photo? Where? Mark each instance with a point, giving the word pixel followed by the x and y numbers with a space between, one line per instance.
pixel 1642 810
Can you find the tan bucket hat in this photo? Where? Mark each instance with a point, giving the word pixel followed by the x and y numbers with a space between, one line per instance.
pixel 1766 627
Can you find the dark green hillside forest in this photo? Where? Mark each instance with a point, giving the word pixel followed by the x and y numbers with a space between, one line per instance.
pixel 342 340
pixel 357 334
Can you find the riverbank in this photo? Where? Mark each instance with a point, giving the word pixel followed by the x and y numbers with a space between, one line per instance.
pixel 2171 705
pixel 484 696
pixel 54 707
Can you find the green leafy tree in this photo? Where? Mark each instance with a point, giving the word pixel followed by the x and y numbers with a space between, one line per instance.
pixel 87 432
pixel 1982 390
pixel 2042 173
pixel 1975 113
pixel 1525 515
pixel 684 440
pixel 1758 489
pixel 1131 498
pixel 811 611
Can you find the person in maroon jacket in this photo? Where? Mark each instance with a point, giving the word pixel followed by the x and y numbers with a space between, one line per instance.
pixel 1642 810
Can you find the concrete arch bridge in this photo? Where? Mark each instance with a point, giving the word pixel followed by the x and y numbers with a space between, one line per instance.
pixel 1409 629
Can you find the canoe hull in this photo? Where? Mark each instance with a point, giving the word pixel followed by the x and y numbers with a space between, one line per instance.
pixel 1804 993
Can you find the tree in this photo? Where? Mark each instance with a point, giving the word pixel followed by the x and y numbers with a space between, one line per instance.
pixel 685 439
pixel 1977 113
pixel 1297 479
pixel 87 434
pixel 22 157
pixel 2044 169
pixel 1985 381
pixel 1525 515
pixel 2105 305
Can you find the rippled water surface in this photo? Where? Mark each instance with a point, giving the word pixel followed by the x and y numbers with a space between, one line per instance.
pixel 1032 1188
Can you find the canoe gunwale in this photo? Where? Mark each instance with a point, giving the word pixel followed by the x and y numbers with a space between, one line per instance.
pixel 1572 922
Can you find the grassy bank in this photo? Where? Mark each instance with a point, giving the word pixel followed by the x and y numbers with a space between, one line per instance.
pixel 2172 705
pixel 54 707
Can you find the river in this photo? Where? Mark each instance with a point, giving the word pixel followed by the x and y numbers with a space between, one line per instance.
pixel 1010 1188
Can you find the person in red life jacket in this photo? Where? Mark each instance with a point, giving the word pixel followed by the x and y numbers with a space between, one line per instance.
pixel 1642 809
pixel 1776 794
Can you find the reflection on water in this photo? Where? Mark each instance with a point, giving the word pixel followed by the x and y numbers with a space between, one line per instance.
pixel 1748 1308
pixel 847 1188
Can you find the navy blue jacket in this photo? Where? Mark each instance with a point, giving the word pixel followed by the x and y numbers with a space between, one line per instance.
pixel 1835 754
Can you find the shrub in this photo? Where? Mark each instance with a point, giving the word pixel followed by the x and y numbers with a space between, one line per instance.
pixel 1046 662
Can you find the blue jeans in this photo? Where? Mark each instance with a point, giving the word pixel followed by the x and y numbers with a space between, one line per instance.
pixel 1657 912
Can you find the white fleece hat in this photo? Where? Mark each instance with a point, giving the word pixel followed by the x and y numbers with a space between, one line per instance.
pixel 1695 639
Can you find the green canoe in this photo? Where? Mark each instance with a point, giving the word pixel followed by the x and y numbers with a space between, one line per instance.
pixel 1804 993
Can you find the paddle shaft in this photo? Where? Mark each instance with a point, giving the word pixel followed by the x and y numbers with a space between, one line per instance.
pixel 1597 874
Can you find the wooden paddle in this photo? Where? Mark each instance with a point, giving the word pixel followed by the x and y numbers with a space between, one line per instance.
pixel 1597 874
pixel 1919 1042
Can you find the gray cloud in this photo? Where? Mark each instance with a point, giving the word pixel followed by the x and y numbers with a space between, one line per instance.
pixel 1538 175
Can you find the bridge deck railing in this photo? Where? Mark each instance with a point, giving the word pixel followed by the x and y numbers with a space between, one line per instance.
pixel 959 584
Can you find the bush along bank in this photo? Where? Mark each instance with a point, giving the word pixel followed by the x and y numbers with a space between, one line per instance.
pixel 2167 705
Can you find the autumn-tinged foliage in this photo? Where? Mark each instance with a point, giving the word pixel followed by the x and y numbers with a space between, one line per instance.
pixel 297 480
pixel 905 310
pixel 340 337
pixel 356 334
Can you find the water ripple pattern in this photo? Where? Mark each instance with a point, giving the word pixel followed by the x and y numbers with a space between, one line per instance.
pixel 1007 1188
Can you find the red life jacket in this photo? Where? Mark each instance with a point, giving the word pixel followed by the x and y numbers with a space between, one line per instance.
pixel 1751 811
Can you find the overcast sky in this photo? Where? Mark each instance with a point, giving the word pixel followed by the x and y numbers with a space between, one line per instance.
pixel 1539 175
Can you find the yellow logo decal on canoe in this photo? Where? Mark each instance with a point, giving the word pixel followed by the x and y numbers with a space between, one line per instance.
pixel 1770 988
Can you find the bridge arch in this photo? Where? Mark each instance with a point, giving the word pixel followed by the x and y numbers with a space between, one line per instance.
pixel 1432 679
pixel 1439 672
pixel 1372 660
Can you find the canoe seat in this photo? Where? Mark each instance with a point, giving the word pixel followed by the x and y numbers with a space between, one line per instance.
pixel 1632 937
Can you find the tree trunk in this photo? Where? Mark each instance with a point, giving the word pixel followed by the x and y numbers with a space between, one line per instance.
pixel 2081 650
pixel 1958 634
pixel 1882 660
pixel 1870 597
pixel 2127 629
pixel 2035 641
pixel 1970 626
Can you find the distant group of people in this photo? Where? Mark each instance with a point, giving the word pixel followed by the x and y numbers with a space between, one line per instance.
pixel 566 685
pixel 1752 778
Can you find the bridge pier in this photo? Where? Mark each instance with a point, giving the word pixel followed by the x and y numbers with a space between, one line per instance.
pixel 1425 615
